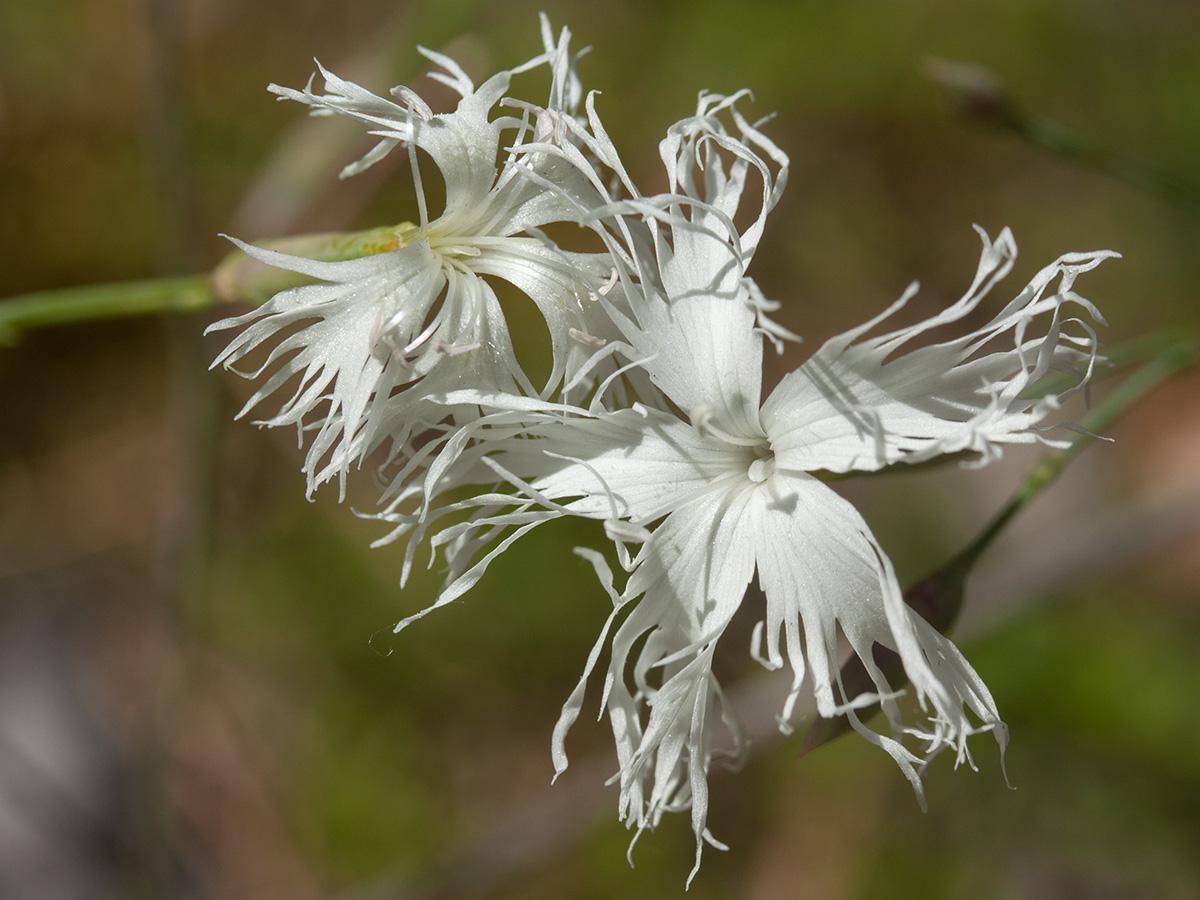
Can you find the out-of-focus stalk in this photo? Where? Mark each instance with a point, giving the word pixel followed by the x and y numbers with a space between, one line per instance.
pixel 979 97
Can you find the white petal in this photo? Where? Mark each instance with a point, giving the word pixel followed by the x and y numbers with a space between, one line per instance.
pixel 823 574
pixel 374 343
pixel 636 464
pixel 701 349
pixel 463 143
pixel 559 284
pixel 345 351
pixel 694 145
pixel 863 404
pixel 691 576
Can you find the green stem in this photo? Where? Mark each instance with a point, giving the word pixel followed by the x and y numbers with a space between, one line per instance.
pixel 1133 170
pixel 104 301
pixel 238 278
pixel 1167 362
pixel 980 97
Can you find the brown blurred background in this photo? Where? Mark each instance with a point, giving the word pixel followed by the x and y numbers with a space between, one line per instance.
pixel 199 692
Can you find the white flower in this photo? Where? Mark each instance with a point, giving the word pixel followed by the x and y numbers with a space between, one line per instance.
pixel 365 345
pixel 733 489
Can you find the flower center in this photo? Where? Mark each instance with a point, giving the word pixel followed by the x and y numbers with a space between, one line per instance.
pixel 452 246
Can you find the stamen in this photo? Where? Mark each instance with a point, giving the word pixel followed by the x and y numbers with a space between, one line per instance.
pixel 449 348
pixel 702 417
pixel 385 345
pixel 617 530
pixel 419 188
pixel 583 337
pixel 605 288
pixel 608 285
pixel 413 101
pixel 456 250
pixel 702 420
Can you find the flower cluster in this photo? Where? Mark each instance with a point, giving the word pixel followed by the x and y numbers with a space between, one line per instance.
pixel 652 419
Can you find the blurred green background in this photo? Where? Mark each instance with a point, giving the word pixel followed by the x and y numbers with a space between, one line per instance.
pixel 199 692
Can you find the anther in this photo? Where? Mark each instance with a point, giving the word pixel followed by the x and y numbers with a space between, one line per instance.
pixel 583 337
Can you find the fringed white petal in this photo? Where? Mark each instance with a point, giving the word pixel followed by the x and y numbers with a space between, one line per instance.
pixel 693 147
pixel 459 142
pixel 372 343
pixel 354 330
pixel 563 286
pixel 643 461
pixel 690 578
pixel 824 575
pixel 684 241
pixel 699 346
pixel 861 404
